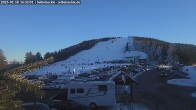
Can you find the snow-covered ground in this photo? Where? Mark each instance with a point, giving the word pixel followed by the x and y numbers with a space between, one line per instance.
pixel 191 70
pixel 87 60
pixel 132 106
pixel 186 82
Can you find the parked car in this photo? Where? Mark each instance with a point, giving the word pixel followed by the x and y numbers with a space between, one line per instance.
pixel 62 95
pixel 35 106
pixel 66 105
pixel 163 74
pixel 51 86
pixel 171 71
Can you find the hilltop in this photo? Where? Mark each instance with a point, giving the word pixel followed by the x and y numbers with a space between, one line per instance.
pixel 103 52
pixel 106 53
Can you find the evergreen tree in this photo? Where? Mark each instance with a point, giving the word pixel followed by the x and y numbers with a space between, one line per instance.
pixel 47 55
pixel 38 56
pixel 172 58
pixel 127 47
pixel 3 61
pixel 29 58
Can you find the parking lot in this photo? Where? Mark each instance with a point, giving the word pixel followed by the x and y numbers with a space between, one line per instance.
pixel 154 92
pixel 102 74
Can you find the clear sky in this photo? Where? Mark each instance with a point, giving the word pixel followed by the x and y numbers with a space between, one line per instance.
pixel 46 28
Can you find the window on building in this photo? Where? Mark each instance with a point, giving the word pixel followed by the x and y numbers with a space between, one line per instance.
pixel 102 87
pixel 72 91
pixel 80 90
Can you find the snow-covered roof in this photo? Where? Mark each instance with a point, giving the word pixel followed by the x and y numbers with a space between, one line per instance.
pixel 121 73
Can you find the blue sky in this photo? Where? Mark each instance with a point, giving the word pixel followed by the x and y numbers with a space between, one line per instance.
pixel 46 28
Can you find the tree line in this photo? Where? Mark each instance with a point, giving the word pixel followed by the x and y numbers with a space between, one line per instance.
pixel 31 58
pixel 165 52
pixel 65 53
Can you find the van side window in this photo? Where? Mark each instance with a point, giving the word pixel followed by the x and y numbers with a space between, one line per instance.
pixel 102 87
pixel 80 90
pixel 72 91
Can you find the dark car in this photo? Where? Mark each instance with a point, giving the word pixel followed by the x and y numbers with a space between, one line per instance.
pixel 35 106
pixel 163 74
pixel 62 95
pixel 66 105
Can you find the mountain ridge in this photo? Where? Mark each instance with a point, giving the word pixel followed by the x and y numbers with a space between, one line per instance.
pixel 156 49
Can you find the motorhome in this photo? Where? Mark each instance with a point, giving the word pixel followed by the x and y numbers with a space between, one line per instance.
pixel 92 94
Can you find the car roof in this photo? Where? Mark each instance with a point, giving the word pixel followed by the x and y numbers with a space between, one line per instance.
pixel 41 106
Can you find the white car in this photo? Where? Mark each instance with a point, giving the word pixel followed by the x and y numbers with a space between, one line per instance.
pixel 51 86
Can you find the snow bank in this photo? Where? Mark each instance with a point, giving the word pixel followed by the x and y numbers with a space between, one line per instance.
pixel 182 82
pixel 191 70
pixel 133 106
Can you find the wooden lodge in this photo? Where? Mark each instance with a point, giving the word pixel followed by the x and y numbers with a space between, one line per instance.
pixel 123 86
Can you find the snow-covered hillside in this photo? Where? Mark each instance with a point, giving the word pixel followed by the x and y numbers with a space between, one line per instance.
pixel 104 51
pixel 86 60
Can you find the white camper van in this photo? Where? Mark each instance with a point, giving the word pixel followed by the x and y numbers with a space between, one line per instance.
pixel 92 94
